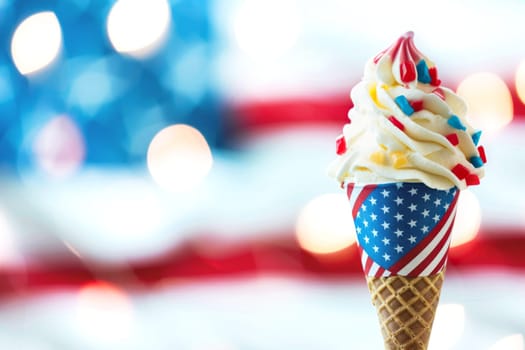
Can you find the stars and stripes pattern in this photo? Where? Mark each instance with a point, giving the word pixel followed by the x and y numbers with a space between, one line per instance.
pixel 402 228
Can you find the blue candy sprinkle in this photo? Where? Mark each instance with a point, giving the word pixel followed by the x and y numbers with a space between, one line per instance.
pixel 422 72
pixel 455 122
pixel 405 106
pixel 476 161
pixel 476 136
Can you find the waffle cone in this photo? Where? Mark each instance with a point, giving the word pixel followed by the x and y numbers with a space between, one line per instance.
pixel 406 307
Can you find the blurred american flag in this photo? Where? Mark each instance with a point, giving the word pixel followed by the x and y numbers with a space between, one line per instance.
pixel 163 183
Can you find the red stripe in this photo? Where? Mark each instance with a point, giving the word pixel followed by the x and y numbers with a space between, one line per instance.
pixel 414 252
pixel 379 272
pixel 440 265
pixel 349 189
pixel 424 264
pixel 368 265
pixel 361 198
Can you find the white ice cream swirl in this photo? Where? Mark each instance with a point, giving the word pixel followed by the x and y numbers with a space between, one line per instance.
pixel 404 127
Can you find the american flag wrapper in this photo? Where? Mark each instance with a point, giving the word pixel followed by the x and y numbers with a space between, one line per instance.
pixel 403 229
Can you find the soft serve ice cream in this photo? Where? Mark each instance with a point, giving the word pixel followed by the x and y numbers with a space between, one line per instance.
pixel 406 127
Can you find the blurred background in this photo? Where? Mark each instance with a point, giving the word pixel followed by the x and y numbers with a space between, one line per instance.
pixel 163 172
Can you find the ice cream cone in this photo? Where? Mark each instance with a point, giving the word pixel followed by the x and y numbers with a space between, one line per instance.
pixel 406 307
pixel 404 155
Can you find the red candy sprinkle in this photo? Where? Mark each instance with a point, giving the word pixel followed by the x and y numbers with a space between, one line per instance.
pixel 453 139
pixel 407 71
pixel 440 93
pixel 340 145
pixel 472 180
pixel 482 155
pixel 417 105
pixel 397 123
pixel 460 171
pixel 434 81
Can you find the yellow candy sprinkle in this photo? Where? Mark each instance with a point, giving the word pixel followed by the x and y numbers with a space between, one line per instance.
pixel 378 157
pixel 373 95
pixel 399 159
pixel 383 146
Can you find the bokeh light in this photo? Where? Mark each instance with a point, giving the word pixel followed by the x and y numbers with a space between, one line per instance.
pixel 179 158
pixel 138 28
pixel 59 147
pixel 449 324
pixel 511 342
pixel 9 255
pixel 325 224
pixel 104 312
pixel 468 219
pixel 489 101
pixel 520 81
pixel 267 29
pixel 36 42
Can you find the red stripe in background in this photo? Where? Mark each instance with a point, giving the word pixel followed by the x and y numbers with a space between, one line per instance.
pixel 319 110
pixel 190 262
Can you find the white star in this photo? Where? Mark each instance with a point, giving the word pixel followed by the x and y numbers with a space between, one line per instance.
pixel 425 213
pixel 373 200
pixel 399 184
pixel 437 202
pixel 399 217
pixel 374 232
pixel 424 229
pixel 364 207
pixel 386 241
pixel 365 223
pixel 385 209
pixel 446 205
pixel 367 240
pixel 413 191
pixel 412 239
pixel 385 193
pixel 426 197
pixel 436 218
pixel 385 225
pixel 358 230
pixel 386 257
pixel 358 214
pixel 398 232
pixel 398 248
pixel 375 248
pixel 373 217
pixel 412 207
pixel 412 223
pixel 398 201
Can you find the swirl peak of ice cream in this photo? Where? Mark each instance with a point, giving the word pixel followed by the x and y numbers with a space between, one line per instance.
pixel 406 127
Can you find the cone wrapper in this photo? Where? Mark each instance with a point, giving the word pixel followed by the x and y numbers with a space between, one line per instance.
pixel 403 229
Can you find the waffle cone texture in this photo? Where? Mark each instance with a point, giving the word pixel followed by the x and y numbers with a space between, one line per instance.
pixel 406 307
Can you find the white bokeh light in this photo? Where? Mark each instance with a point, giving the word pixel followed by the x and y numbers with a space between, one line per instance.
pixel 468 219
pixel 489 101
pixel 449 324
pixel 325 224
pixel 59 147
pixel 137 27
pixel 179 158
pixel 266 29
pixel 9 256
pixel 511 342
pixel 104 312
pixel 36 42
pixel 520 81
